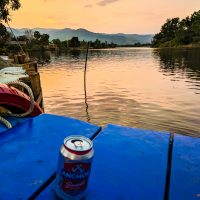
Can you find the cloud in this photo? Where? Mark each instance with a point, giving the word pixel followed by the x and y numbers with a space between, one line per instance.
pixel 106 2
pixel 88 6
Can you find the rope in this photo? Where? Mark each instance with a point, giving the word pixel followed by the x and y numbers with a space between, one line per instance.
pixel 3 120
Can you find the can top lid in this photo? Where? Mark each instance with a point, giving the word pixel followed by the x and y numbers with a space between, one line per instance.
pixel 78 143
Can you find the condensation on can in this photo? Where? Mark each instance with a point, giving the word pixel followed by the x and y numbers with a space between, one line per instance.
pixel 74 166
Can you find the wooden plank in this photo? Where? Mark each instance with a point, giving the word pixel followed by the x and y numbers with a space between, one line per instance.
pixel 128 164
pixel 185 172
pixel 29 152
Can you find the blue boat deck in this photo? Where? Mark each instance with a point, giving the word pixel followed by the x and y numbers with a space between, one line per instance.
pixel 129 163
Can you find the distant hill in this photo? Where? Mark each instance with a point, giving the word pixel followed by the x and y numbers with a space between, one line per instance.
pixel 83 34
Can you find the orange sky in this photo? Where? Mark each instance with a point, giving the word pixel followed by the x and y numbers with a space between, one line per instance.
pixel 108 16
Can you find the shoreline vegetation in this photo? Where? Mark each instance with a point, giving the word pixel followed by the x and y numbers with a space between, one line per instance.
pixel 174 33
pixel 35 41
pixel 179 33
pixel 40 42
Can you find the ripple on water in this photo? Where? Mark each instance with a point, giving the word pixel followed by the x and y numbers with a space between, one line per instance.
pixel 145 88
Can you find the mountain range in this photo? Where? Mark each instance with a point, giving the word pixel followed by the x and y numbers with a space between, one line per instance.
pixel 83 34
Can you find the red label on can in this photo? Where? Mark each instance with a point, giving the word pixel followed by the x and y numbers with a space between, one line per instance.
pixel 75 177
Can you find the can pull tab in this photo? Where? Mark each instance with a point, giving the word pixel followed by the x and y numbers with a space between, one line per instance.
pixel 78 144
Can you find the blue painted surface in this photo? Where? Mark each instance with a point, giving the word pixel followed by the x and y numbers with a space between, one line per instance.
pixel 129 164
pixel 185 175
pixel 29 152
pixel 14 121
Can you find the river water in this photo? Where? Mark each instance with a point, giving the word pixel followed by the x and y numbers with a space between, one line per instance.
pixel 157 89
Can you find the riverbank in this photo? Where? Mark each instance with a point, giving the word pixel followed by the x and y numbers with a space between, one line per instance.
pixel 168 45
pixel 6 52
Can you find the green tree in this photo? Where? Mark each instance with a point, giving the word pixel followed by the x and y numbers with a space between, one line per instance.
pixel 195 23
pixel 74 42
pixel 6 6
pixel 170 27
pixel 44 39
pixel 4 34
pixel 175 32
pixel 57 42
pixel 64 44
pixel 167 32
pixel 97 44
pixel 37 35
pixel 83 44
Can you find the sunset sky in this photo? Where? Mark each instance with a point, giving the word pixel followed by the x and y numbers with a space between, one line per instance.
pixel 107 16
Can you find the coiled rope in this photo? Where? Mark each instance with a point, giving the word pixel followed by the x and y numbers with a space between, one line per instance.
pixel 6 122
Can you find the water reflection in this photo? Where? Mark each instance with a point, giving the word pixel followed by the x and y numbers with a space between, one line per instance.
pixel 41 56
pixel 179 60
pixel 138 87
pixel 75 54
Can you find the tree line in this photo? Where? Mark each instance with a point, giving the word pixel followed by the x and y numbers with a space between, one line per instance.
pixel 176 32
pixel 38 41
pixel 74 42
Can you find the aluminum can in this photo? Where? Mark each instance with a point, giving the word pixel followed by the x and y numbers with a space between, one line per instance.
pixel 74 165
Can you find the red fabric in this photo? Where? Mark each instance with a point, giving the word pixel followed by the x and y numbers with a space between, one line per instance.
pixel 14 98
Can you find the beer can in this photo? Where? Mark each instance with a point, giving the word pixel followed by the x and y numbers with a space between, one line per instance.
pixel 74 165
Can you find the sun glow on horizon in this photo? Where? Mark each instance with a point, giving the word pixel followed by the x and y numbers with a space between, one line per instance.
pixel 108 16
